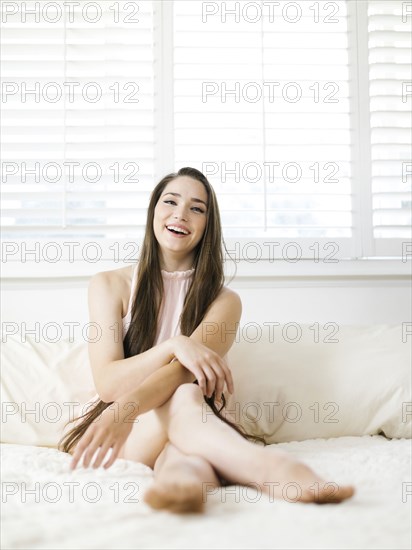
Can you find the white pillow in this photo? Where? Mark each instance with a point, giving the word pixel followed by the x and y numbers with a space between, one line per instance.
pixel 292 391
pixel 285 391
pixel 47 379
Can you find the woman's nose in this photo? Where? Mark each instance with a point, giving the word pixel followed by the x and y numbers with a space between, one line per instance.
pixel 180 213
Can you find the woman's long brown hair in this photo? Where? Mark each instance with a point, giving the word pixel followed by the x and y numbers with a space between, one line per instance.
pixel 207 282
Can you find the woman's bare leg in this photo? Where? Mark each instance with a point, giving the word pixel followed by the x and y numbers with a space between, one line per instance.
pixel 179 481
pixel 195 430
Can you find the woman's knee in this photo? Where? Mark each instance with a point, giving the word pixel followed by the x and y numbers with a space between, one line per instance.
pixel 189 389
pixel 186 399
pixel 186 396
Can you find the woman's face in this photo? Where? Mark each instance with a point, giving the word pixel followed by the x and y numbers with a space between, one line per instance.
pixel 182 206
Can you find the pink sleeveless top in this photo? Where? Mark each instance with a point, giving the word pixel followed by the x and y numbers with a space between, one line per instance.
pixel 175 285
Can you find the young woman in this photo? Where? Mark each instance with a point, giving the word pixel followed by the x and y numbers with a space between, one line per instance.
pixel 158 385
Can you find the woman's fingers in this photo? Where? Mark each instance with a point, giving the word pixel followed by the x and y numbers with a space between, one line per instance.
pixel 211 379
pixel 222 372
pixel 223 375
pixel 219 388
pixel 201 379
pixel 217 374
pixel 228 375
pixel 218 381
pixel 92 448
pixel 102 453
pixel 80 448
pixel 211 372
pixel 115 451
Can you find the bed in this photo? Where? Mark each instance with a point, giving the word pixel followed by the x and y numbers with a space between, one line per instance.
pixel 342 407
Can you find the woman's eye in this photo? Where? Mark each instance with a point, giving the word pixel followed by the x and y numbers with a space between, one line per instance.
pixel 194 207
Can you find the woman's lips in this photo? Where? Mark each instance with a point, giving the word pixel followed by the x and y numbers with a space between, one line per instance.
pixel 178 235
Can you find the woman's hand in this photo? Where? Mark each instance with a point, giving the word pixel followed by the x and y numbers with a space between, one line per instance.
pixel 109 430
pixel 210 369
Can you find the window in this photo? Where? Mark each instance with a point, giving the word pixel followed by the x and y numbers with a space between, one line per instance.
pixel 298 112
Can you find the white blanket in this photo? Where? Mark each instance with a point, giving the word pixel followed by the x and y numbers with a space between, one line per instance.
pixel 377 517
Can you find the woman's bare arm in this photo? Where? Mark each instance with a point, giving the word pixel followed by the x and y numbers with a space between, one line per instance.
pixel 113 374
pixel 217 331
pixel 154 391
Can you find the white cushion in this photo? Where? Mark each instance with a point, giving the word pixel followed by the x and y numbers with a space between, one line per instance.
pixel 39 382
pixel 293 391
pixel 285 391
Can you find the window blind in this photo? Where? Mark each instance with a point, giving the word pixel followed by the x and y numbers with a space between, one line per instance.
pixel 262 106
pixel 102 98
pixel 390 72
pixel 78 119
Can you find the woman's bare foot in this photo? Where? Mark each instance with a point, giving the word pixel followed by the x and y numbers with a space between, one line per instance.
pixel 181 496
pixel 179 484
pixel 295 482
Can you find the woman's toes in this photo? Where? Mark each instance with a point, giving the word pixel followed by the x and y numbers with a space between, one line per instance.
pixel 298 482
pixel 328 493
pixel 339 493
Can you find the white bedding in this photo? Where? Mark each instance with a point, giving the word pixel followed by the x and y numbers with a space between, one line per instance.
pixel 377 517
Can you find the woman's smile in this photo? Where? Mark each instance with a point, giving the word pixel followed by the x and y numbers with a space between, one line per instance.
pixel 177 235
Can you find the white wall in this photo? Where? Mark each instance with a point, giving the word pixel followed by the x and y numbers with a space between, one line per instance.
pixel 340 300
pixel 360 303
